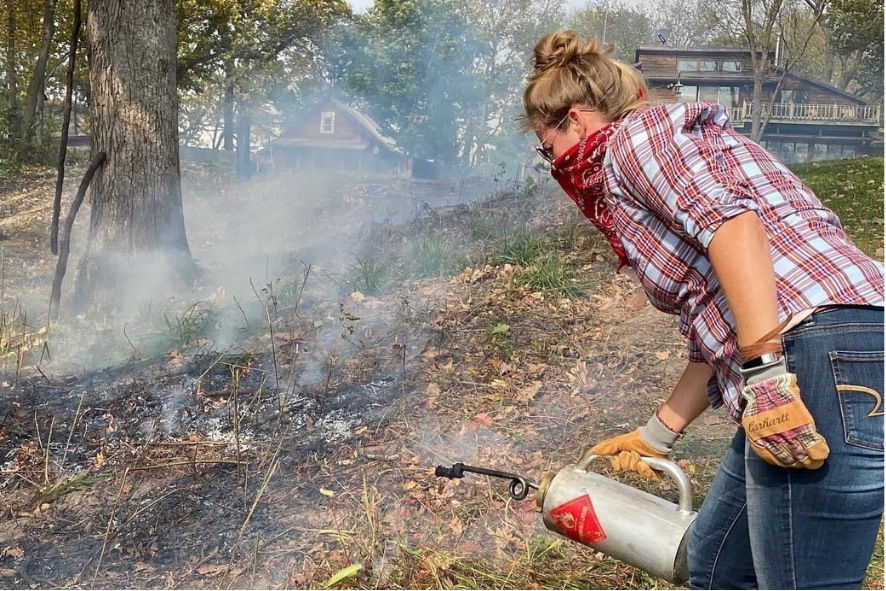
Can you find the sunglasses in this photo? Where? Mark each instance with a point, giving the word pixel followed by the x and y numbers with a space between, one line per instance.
pixel 548 153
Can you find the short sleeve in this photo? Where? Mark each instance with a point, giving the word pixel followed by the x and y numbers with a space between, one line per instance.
pixel 671 161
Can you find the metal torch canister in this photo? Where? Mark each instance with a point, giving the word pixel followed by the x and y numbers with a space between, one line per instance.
pixel 620 521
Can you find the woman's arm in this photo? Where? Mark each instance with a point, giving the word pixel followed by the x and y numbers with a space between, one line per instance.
pixel 739 253
pixel 688 399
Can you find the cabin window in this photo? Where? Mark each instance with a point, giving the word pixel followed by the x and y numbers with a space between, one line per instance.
pixel 731 66
pixel 708 65
pixel 709 94
pixel 728 96
pixel 687 65
pixel 798 97
pixel 688 94
pixel 327 122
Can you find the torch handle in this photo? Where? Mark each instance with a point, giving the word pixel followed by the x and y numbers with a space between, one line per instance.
pixel 684 486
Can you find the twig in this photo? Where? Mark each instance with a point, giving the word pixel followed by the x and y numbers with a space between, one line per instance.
pixel 128 340
pixel 46 453
pixel 108 530
pixel 268 475
pixel 73 426
pixel 65 247
pixel 271 329
pixel 307 272
pixel 235 378
pixel 242 311
pixel 254 562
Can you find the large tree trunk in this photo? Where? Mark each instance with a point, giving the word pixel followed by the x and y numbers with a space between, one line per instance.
pixel 35 87
pixel 137 243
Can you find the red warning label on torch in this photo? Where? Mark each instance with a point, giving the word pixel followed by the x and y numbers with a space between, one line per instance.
pixel 576 519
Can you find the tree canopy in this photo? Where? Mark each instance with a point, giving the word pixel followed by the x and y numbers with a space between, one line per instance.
pixel 443 77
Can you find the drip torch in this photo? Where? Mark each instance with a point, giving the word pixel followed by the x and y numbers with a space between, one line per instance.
pixel 618 520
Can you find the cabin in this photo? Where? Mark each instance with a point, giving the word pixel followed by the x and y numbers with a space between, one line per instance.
pixel 808 120
pixel 335 137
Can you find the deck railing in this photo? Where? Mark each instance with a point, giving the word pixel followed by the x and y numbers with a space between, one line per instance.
pixel 813 112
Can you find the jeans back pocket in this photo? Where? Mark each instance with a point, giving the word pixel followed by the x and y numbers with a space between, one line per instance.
pixel 859 380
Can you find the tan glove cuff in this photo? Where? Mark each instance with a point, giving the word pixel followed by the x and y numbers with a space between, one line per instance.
pixel 657 436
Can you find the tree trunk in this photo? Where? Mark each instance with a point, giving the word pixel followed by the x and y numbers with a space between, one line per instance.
pixel 244 151
pixel 12 113
pixel 228 112
pixel 35 87
pixel 11 79
pixel 137 244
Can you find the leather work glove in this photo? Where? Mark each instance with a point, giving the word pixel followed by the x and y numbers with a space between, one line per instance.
pixel 651 440
pixel 777 423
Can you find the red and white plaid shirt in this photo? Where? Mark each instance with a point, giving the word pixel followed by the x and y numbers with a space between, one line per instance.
pixel 674 174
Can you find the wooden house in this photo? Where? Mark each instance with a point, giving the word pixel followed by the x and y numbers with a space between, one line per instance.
pixel 333 136
pixel 808 120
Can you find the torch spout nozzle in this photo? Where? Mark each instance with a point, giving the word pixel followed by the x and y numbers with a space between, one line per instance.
pixel 456 471
pixel 518 489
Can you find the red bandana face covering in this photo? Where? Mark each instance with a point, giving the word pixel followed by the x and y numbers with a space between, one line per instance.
pixel 580 173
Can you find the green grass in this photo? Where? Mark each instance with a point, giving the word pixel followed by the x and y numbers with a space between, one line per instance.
pixel 854 190
pixel 430 256
pixel 192 325
pixel 370 276
pixel 520 248
pixel 481 227
pixel 549 273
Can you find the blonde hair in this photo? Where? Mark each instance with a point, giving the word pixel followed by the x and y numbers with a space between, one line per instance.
pixel 569 70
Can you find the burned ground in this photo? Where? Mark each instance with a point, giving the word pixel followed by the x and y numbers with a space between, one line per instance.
pixel 297 447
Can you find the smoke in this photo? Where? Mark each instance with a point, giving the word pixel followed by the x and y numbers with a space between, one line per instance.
pixel 266 250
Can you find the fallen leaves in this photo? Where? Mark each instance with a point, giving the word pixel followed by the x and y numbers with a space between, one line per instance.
pixel 15 552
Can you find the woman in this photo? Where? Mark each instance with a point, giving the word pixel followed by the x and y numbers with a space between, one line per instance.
pixel 783 316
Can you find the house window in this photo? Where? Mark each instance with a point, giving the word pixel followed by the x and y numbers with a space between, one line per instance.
pixel 688 94
pixel 708 94
pixel 708 65
pixel 728 96
pixel 687 65
pixel 799 97
pixel 327 122
pixel 731 66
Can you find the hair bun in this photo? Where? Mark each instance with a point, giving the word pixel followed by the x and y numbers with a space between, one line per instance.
pixel 556 50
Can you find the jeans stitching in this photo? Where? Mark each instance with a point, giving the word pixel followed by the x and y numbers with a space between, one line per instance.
pixel 791 529
pixel 722 543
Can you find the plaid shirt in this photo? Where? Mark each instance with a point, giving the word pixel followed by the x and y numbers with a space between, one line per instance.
pixel 674 174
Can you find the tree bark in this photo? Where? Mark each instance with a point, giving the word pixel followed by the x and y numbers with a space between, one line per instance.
pixel 228 113
pixel 35 87
pixel 137 242
pixel 11 78
pixel 13 116
pixel 244 151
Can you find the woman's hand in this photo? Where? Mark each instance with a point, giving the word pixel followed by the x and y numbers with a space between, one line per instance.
pixel 653 440
pixel 656 439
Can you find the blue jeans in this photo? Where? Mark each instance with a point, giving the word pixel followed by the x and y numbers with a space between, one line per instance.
pixel 764 527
